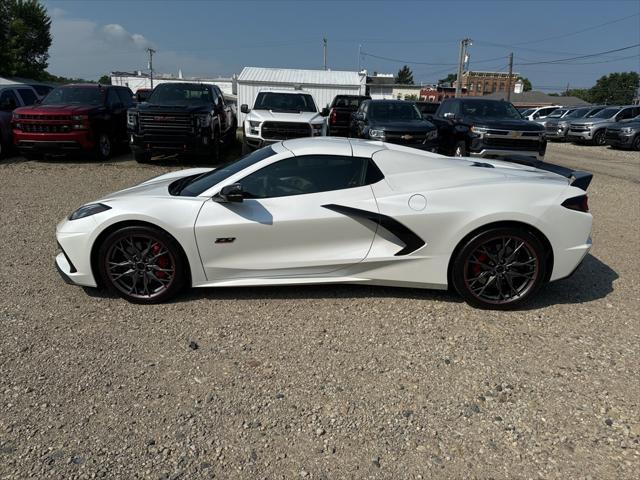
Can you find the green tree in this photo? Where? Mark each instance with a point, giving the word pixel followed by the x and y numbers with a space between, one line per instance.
pixel 616 88
pixel 104 80
pixel 526 84
pixel 452 77
pixel 26 38
pixel 405 76
pixel 583 93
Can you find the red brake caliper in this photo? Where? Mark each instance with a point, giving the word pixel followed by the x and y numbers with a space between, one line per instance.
pixel 476 267
pixel 162 262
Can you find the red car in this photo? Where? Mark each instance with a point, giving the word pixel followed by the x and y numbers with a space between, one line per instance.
pixel 88 118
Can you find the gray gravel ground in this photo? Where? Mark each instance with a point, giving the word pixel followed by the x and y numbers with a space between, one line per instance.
pixel 314 382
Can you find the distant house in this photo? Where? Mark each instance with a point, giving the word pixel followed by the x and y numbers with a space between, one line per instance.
pixel 138 80
pixel 535 98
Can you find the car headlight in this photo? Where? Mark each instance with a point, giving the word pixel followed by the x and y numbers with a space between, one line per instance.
pixel 254 124
pixel 317 128
pixel 203 121
pixel 16 116
pixel 627 130
pixel 132 119
pixel 379 134
pixel 88 210
pixel 432 135
pixel 479 130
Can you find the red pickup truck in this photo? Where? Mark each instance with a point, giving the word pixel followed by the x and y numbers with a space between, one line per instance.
pixel 85 118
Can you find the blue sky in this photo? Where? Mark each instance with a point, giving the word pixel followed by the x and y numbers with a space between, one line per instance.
pixel 91 38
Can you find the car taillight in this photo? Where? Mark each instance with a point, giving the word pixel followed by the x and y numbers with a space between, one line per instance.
pixel 333 116
pixel 580 203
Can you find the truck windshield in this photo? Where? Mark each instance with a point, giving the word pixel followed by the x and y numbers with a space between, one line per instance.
pixel 579 113
pixel 194 186
pixel 75 96
pixel 180 94
pixel 389 111
pixel 557 113
pixel 285 102
pixel 606 113
pixel 348 102
pixel 489 109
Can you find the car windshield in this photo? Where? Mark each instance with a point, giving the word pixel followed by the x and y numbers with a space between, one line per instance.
pixel 194 186
pixel 489 109
pixel 75 96
pixel 528 112
pixel 348 102
pixel 606 113
pixel 557 113
pixel 578 113
pixel 390 111
pixel 593 111
pixel 285 102
pixel 180 94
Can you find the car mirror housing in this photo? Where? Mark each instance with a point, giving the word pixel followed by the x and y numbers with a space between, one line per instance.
pixel 230 193
pixel 244 108
pixel 325 112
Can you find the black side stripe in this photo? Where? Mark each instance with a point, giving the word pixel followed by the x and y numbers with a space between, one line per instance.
pixel 412 242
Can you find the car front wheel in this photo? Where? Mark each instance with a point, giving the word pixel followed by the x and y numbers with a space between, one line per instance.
pixel 598 138
pixel 142 264
pixel 500 268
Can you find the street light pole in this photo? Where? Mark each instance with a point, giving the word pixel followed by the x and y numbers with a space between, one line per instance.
pixel 464 43
pixel 151 52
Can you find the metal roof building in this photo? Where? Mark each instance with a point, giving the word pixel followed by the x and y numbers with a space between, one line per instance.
pixel 324 85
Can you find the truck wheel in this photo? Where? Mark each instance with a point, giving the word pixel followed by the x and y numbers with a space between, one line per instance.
pixel 215 147
pixel 636 143
pixel 103 146
pixel 245 148
pixel 231 134
pixel 598 138
pixel 3 150
pixel 460 150
pixel 142 157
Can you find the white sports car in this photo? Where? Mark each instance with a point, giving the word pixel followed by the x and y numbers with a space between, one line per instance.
pixel 331 210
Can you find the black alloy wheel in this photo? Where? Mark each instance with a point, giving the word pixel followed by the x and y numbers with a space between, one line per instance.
pixel 104 146
pixel 636 143
pixel 500 268
pixel 142 265
pixel 598 138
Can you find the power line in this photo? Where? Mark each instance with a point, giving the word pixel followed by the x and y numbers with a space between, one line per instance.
pixel 591 55
pixel 410 62
pixel 594 27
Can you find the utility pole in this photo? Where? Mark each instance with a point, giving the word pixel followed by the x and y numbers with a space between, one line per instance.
pixel 359 56
pixel 324 51
pixel 464 43
pixel 509 79
pixel 151 52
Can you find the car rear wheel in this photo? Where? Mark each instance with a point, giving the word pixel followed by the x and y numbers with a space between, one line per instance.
pixel 500 268
pixel 142 157
pixel 103 146
pixel 598 138
pixel 142 265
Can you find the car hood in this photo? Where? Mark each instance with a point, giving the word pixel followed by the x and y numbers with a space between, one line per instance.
pixel 592 121
pixel 403 126
pixel 504 124
pixel 157 108
pixel 274 116
pixel 631 123
pixel 156 186
pixel 58 109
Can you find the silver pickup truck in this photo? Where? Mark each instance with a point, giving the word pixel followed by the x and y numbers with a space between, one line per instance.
pixel 593 129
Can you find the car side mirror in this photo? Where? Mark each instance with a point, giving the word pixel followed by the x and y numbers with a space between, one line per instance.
pixel 359 116
pixel 325 112
pixel 428 116
pixel 449 116
pixel 230 193
pixel 244 108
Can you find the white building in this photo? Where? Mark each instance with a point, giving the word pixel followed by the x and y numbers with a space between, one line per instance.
pixel 324 85
pixel 137 80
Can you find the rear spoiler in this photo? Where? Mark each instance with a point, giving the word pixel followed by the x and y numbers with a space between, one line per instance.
pixel 577 178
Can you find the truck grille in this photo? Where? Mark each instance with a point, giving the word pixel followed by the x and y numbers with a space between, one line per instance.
pixel 512 143
pixel 405 138
pixel 44 128
pixel 165 123
pixel 285 130
pixel 551 127
pixel 579 128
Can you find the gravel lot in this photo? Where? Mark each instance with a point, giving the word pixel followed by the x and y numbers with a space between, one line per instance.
pixel 314 382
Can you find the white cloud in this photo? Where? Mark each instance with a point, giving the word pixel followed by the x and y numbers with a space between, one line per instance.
pixel 86 49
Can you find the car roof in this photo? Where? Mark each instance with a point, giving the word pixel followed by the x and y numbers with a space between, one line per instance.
pixel 283 90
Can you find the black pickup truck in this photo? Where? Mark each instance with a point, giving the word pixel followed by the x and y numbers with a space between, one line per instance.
pixel 340 111
pixel 486 128
pixel 181 118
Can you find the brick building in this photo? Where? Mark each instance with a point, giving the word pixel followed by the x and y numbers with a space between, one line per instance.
pixel 478 84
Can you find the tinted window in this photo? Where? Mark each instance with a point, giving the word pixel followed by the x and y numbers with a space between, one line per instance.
pixel 489 109
pixel 606 113
pixel 626 113
pixel 347 101
pixel 181 94
pixel 28 96
pixel 528 112
pixel 204 182
pixel 306 174
pixel 112 98
pixel 42 90
pixel 8 98
pixel 579 113
pixel 557 113
pixel 75 96
pixel 385 111
pixel 126 96
pixel 285 102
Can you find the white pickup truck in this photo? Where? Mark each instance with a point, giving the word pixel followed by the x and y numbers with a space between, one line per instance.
pixel 280 115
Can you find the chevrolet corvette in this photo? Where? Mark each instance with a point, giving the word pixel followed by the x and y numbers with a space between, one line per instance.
pixel 336 210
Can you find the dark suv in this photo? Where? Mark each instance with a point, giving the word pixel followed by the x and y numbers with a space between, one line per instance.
pixel 625 134
pixel 394 121
pixel 74 118
pixel 340 110
pixel 487 128
pixel 181 118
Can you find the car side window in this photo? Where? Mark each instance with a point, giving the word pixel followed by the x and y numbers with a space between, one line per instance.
pixel 8 99
pixel 218 92
pixel 112 98
pixel 28 96
pixel 306 174
pixel 626 113
pixel 126 96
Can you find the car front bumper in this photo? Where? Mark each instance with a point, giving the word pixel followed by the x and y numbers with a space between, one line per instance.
pixel 581 136
pixel 81 140
pixel 74 260
pixel 198 144
pixel 621 140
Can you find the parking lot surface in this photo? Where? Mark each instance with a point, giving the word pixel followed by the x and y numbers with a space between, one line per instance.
pixel 316 381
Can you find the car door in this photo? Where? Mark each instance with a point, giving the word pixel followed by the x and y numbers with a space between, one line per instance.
pixel 8 103
pixel 118 111
pixel 226 113
pixel 287 224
